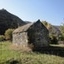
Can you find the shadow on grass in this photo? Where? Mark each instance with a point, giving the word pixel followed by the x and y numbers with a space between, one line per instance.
pixel 51 50
pixel 12 61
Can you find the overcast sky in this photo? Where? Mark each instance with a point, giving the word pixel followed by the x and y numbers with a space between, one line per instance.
pixel 31 10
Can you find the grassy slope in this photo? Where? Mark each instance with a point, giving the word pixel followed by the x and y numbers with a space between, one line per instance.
pixel 7 55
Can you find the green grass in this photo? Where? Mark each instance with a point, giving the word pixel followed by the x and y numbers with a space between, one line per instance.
pixel 7 56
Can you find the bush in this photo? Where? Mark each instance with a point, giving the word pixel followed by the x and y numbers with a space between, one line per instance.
pixel 53 39
pixel 8 34
pixel 61 38
pixel 2 38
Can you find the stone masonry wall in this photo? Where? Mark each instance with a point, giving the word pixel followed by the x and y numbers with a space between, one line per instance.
pixel 38 35
pixel 20 38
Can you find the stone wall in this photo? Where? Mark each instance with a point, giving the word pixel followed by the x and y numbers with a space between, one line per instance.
pixel 38 35
pixel 20 38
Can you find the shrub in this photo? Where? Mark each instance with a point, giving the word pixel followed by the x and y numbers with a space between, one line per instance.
pixel 61 38
pixel 2 38
pixel 8 34
pixel 53 39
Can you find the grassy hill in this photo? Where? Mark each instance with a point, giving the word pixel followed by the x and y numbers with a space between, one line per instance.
pixel 10 56
pixel 8 20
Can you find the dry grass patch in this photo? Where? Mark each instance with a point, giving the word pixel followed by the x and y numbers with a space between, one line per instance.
pixel 20 47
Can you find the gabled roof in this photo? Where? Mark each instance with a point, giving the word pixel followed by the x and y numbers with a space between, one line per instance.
pixel 22 28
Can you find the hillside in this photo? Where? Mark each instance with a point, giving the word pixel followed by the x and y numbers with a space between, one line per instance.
pixel 11 55
pixel 52 28
pixel 8 20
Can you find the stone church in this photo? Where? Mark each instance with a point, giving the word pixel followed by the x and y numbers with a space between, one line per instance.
pixel 33 33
